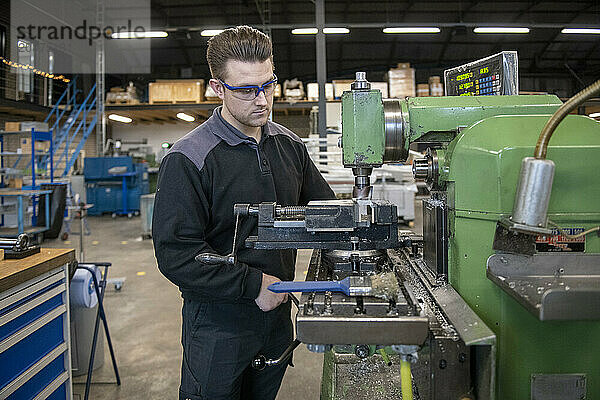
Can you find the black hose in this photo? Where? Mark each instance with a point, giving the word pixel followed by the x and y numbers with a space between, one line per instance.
pixel 542 144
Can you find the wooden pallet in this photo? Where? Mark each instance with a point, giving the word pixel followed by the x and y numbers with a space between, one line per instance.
pixel 123 102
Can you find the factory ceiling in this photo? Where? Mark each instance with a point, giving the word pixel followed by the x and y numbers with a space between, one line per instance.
pixel 545 54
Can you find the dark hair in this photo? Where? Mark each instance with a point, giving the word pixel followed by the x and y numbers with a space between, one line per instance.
pixel 242 43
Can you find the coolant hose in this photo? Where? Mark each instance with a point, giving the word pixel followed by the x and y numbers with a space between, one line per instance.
pixel 542 144
pixel 406 380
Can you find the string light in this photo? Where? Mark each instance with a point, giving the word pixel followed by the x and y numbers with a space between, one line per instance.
pixel 35 70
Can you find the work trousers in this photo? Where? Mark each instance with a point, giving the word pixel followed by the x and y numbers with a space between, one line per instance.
pixel 219 342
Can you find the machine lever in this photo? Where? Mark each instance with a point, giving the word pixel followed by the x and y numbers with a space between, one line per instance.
pixel 215 259
pixel 260 361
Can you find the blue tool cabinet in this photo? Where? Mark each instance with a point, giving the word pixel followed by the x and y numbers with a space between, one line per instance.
pixel 105 190
pixel 34 327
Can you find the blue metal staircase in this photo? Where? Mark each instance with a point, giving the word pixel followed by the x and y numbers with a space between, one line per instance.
pixel 71 127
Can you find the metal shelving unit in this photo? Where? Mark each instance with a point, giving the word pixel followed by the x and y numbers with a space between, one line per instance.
pixel 20 204
pixel 36 136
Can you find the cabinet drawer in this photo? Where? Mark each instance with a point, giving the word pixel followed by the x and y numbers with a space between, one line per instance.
pixel 60 393
pixel 40 381
pixel 27 312
pixel 24 349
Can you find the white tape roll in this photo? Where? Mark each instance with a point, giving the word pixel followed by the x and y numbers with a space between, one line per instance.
pixel 82 289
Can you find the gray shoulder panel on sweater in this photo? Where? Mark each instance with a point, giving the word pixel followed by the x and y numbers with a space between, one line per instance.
pixel 197 144
pixel 275 129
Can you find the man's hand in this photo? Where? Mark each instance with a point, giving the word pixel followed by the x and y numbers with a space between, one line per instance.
pixel 266 299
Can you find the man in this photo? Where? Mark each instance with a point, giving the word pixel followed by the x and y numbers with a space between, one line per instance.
pixel 236 156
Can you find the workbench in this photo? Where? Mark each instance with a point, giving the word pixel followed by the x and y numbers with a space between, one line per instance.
pixel 35 349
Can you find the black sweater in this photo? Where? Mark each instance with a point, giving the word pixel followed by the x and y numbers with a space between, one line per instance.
pixel 204 174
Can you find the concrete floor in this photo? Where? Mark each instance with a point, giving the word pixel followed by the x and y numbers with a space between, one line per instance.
pixel 144 318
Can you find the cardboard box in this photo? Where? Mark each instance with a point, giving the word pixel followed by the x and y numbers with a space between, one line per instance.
pixel 402 81
pixel 176 91
pixel 436 89
pixel 39 145
pixel 340 86
pixel 312 90
pixel 423 90
pixel 406 73
pixel 382 87
pixel 15 182
pixel 434 79
pixel 12 126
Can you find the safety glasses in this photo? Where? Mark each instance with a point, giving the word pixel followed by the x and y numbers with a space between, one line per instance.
pixel 252 92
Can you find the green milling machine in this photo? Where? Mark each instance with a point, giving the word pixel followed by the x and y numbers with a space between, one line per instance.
pixel 499 299
pixel 515 235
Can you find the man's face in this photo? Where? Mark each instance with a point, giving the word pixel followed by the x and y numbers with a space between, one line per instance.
pixel 251 113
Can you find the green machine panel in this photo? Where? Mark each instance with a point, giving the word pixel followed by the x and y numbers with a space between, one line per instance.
pixel 480 172
pixel 362 122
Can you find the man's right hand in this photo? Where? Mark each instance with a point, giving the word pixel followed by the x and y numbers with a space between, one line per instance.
pixel 266 299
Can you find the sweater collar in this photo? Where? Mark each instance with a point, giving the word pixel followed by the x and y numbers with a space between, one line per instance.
pixel 230 134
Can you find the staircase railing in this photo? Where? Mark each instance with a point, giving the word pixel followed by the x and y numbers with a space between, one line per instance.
pixel 83 126
pixel 66 131
pixel 59 109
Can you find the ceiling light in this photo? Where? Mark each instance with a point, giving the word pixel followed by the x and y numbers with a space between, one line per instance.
pixel 594 115
pixel 120 118
pixel 313 31
pixel 581 30
pixel 211 32
pixel 304 31
pixel 139 35
pixel 336 30
pixel 413 29
pixel 500 29
pixel 185 117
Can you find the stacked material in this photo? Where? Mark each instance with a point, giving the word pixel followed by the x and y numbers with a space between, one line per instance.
pixel 423 90
pixel 118 95
pixel 382 87
pixel 436 88
pixel 293 89
pixel 26 126
pixel 12 126
pixel 340 86
pixel 402 81
pixel 312 91
pixel 42 146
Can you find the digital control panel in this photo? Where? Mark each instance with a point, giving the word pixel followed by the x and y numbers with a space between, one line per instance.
pixel 494 75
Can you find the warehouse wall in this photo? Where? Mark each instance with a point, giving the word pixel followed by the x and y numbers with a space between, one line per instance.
pixel 157 134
